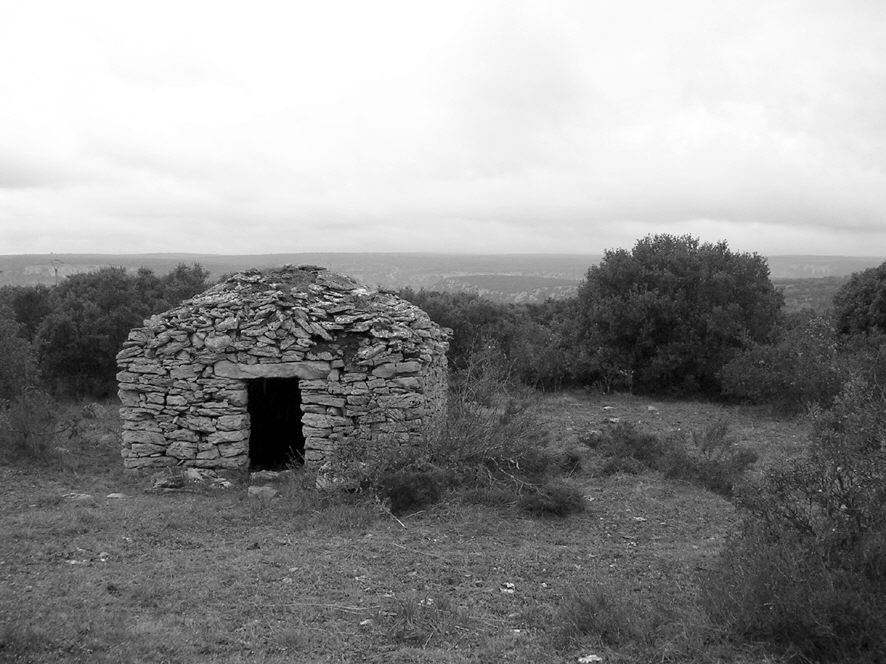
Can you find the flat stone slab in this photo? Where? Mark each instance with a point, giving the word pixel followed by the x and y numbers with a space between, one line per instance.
pixel 308 370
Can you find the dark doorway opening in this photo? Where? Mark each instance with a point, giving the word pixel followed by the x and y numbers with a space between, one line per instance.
pixel 276 440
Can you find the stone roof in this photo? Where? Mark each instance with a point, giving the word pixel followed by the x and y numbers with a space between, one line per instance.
pixel 332 304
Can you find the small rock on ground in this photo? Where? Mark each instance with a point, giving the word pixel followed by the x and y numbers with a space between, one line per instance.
pixel 264 491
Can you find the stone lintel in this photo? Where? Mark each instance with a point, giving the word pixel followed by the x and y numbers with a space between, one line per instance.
pixel 309 370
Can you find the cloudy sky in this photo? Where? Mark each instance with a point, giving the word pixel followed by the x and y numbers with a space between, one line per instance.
pixel 476 126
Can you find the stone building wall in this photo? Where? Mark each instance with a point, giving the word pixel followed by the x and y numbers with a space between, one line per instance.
pixel 371 369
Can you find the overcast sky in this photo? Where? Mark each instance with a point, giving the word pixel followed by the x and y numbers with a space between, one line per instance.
pixel 475 126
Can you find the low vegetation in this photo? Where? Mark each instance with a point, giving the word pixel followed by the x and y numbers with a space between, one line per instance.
pixel 538 526
pixel 709 457
pixel 807 569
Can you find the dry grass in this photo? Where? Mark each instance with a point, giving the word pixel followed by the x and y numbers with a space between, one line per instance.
pixel 210 575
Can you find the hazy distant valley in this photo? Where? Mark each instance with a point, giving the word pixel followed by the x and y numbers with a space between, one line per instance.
pixel 518 278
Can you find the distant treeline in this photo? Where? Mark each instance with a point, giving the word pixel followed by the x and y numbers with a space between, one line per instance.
pixel 670 316
pixel 674 316
pixel 69 334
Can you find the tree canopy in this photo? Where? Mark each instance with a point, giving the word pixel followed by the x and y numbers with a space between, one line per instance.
pixel 860 305
pixel 90 314
pixel 673 310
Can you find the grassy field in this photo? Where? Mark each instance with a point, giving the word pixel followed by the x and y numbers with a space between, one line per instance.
pixel 211 575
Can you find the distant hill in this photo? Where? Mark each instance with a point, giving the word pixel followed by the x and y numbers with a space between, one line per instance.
pixel 509 288
pixel 502 277
pixel 393 270
pixel 806 267
pixel 815 294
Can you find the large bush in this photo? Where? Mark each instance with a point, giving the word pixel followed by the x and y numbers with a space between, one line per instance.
pixel 92 313
pixel 672 311
pixel 536 341
pixel 860 305
pixel 29 304
pixel 17 363
pixel 803 366
pixel 808 569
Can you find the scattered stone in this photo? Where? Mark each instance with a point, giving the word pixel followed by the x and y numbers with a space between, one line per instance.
pixel 263 492
pixel 79 498
pixel 265 475
pixel 168 482
pixel 508 588
pixel 589 659
pixel 196 475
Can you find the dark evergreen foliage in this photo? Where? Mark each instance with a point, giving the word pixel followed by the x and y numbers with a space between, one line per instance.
pixel 860 305
pixel 78 326
pixel 672 311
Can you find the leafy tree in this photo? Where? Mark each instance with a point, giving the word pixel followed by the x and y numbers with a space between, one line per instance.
pixel 804 365
pixel 17 362
pixel 807 570
pixel 476 323
pixel 535 342
pixel 672 311
pixel 183 282
pixel 30 304
pixel 860 305
pixel 91 315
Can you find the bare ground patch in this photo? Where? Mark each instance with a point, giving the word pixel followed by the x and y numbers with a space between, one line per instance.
pixel 215 576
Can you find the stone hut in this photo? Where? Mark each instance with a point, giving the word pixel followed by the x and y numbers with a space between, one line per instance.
pixel 273 367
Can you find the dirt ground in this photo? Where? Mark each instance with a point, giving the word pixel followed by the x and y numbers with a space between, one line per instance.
pixel 208 574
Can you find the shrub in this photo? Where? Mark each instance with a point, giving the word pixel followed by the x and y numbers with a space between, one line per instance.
pixel 557 497
pixel 626 441
pixel 410 490
pixel 673 311
pixel 17 362
pixel 422 619
pixel 91 315
pixel 536 342
pixel 711 459
pixel 29 305
pixel 860 305
pixel 802 366
pixel 493 430
pixel 602 612
pixel 622 465
pixel 28 423
pixel 714 460
pixel 807 571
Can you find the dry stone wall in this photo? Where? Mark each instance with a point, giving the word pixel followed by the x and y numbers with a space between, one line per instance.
pixel 371 370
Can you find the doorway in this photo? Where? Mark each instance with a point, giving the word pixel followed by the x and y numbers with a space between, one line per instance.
pixel 276 440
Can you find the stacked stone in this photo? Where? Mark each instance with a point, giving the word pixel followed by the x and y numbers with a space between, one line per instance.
pixel 371 369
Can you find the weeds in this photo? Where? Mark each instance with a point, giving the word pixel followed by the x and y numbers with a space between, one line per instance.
pixel 28 424
pixel 493 448
pixel 409 490
pixel 602 613
pixel 807 572
pixel 711 458
pixel 556 497
pixel 419 620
